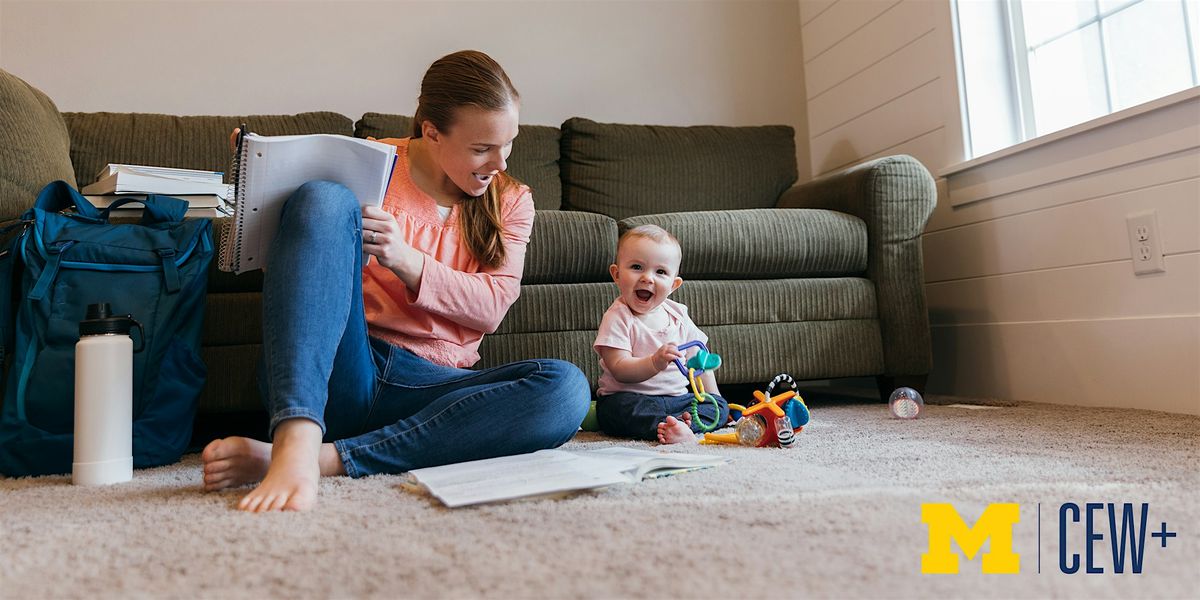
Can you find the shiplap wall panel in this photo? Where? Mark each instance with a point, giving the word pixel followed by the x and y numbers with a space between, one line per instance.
pixel 1139 138
pixel 1033 295
pixel 901 72
pixel 905 118
pixel 1099 291
pixel 1080 233
pixel 928 148
pixel 1145 363
pixel 874 41
pixel 811 9
pixel 839 21
pixel 1179 166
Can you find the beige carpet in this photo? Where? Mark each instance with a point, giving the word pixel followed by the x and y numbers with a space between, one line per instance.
pixel 839 516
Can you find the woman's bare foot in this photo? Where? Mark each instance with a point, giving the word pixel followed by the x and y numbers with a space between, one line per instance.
pixel 234 461
pixel 291 479
pixel 676 431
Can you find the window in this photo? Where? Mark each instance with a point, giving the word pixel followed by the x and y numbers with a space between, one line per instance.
pixel 1031 67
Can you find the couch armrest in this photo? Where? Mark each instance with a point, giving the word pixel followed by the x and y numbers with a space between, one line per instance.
pixel 894 196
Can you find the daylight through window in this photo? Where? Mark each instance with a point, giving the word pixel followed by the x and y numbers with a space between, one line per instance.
pixel 1031 67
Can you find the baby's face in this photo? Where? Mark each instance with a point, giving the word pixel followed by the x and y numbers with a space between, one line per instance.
pixel 645 273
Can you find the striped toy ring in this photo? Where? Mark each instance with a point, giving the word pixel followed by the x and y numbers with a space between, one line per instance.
pixel 782 377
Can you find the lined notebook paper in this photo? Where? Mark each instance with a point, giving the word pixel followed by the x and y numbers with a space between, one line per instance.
pixel 268 169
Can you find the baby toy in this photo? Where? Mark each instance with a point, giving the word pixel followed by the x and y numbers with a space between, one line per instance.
pixel 696 365
pixel 768 422
pixel 906 403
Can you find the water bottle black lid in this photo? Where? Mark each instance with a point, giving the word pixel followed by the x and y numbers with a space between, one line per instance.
pixel 99 321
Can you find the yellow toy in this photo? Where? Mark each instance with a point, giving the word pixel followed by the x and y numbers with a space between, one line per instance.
pixel 702 361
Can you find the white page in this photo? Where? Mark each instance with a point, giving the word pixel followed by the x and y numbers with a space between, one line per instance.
pixel 638 463
pixel 509 477
pixel 278 165
pixel 550 472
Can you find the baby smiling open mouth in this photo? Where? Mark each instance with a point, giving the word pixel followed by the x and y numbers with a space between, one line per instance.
pixel 644 295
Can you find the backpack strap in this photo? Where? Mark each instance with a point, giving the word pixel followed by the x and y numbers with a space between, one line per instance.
pixel 9 271
pixel 170 269
pixel 159 209
pixel 54 254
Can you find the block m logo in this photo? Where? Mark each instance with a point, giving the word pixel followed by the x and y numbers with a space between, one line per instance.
pixel 995 523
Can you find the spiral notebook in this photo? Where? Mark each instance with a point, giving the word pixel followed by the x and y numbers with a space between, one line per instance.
pixel 268 169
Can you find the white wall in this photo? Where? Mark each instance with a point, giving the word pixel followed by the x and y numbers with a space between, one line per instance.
pixel 1028 270
pixel 725 62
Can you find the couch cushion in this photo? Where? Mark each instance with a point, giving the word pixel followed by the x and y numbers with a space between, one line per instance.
pixel 579 307
pixel 534 158
pixel 764 243
pixel 170 141
pixel 627 170
pixel 570 247
pixel 808 328
pixel 34 145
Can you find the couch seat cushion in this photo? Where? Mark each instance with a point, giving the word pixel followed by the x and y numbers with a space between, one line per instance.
pixel 534 158
pixel 764 243
pixel 34 145
pixel 626 170
pixel 170 141
pixel 570 247
pixel 711 303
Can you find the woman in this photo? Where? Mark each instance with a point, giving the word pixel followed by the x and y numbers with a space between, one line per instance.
pixel 371 358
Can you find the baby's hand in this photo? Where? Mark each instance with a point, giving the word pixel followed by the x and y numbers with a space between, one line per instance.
pixel 664 355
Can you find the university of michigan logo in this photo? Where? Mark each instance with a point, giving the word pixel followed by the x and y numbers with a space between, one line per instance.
pixel 996 523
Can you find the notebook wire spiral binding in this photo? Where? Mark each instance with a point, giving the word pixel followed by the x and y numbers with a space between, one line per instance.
pixel 231 249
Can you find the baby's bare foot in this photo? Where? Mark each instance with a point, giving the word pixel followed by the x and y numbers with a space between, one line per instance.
pixel 234 461
pixel 291 479
pixel 675 431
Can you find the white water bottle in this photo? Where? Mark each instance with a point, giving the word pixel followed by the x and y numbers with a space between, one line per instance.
pixel 103 451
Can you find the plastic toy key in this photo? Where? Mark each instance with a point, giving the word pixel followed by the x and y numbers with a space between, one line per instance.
pixel 696 365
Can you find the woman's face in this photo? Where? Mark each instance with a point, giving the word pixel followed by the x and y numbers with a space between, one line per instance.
pixel 475 148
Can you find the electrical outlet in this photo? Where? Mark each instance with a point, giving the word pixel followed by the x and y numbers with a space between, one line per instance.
pixel 1145 243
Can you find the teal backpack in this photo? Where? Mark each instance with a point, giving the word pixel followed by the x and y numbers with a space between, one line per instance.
pixel 155 270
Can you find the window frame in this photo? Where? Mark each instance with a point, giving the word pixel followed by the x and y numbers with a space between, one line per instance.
pixel 1019 77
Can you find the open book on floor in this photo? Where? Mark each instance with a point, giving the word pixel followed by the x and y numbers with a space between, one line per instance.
pixel 549 472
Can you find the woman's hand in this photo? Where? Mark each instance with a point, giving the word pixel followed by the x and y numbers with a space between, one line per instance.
pixel 383 240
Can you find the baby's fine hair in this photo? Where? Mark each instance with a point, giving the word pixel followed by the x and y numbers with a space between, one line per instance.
pixel 651 232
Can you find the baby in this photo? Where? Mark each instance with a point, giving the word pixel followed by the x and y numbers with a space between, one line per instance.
pixel 641 389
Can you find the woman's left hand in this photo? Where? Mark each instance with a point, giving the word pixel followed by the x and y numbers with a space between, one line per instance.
pixel 383 240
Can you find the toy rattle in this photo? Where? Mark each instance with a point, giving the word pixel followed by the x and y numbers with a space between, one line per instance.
pixel 767 423
pixel 696 365
pixel 906 403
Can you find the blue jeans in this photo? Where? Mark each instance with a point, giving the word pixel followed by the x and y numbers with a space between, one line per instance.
pixel 385 409
pixel 632 415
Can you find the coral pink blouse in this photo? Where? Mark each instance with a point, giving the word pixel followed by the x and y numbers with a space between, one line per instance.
pixel 459 301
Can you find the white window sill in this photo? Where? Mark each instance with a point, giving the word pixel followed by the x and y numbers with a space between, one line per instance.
pixel 1163 126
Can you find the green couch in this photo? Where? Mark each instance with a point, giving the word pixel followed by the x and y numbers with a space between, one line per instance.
pixel 819 280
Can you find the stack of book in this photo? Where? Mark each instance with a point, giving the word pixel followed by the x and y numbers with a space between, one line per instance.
pixel 204 191
pixel 207 206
